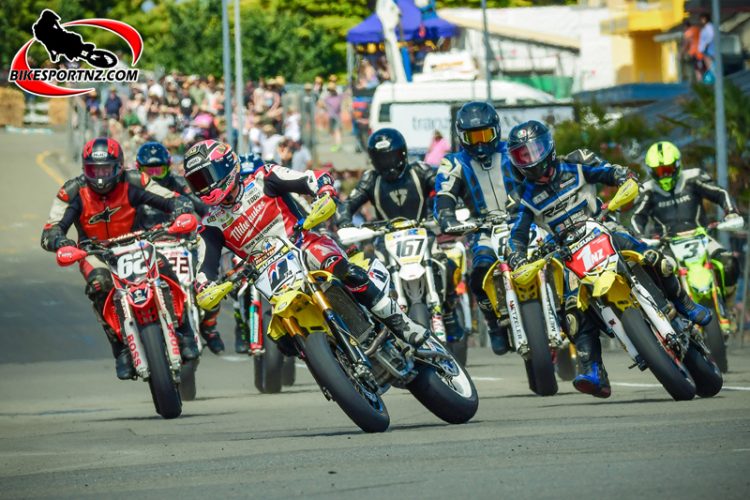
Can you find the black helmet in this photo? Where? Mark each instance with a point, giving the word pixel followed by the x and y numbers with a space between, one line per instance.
pixel 387 150
pixel 102 164
pixel 532 150
pixel 153 159
pixel 478 130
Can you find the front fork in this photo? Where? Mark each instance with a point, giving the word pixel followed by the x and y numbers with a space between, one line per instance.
pixel 550 312
pixel 520 342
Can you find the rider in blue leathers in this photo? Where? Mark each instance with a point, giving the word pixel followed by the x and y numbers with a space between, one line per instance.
pixel 560 191
pixel 481 175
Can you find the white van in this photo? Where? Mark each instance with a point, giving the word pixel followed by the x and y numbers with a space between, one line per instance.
pixel 417 109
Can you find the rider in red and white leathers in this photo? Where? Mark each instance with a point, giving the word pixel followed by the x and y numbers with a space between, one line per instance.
pixel 242 211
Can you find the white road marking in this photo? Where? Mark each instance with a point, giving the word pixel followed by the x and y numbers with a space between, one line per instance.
pixel 234 359
pixel 724 388
pixel 739 450
pixel 486 378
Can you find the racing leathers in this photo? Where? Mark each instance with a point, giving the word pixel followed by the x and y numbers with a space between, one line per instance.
pixel 682 210
pixel 571 196
pixel 265 206
pixel 484 191
pixel 407 196
pixel 108 216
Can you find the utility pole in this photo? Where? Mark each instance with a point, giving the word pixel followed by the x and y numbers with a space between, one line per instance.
pixel 227 70
pixel 487 53
pixel 722 174
pixel 238 80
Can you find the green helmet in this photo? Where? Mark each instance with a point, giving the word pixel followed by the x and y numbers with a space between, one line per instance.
pixel 663 159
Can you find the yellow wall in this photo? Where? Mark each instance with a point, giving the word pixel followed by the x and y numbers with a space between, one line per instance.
pixel 646 57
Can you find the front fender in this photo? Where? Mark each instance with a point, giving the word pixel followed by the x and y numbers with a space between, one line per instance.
pixel 700 278
pixel 297 305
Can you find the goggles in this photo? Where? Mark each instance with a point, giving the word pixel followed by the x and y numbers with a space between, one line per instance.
pixel 479 136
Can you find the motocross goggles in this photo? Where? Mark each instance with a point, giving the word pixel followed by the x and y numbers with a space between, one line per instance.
pixel 478 136
pixel 156 171
pixel 528 154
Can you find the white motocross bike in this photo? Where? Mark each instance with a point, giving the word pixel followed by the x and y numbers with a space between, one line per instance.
pixel 410 263
pixel 182 257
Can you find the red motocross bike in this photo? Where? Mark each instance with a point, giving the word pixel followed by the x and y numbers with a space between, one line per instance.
pixel 143 306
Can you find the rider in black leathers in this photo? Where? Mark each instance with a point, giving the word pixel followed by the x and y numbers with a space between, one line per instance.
pixel 397 188
pixel 673 200
pixel 154 159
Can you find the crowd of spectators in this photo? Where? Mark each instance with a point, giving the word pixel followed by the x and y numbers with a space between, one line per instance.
pixel 179 110
pixel 698 49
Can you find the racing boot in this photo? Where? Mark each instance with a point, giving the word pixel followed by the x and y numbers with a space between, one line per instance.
pixel 454 330
pixel 592 378
pixel 388 311
pixel 665 267
pixel 495 329
pixel 123 362
pixel 188 346
pixel 209 332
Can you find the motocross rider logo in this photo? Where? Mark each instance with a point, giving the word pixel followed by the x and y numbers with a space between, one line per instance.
pixel 398 196
pixel 103 216
pixel 63 43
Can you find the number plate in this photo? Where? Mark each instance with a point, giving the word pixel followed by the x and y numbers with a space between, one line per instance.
pixel 591 255
pixel 689 249
pixel 134 261
pixel 407 246
pixel 279 274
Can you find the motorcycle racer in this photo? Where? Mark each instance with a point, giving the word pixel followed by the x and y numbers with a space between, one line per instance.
pixel 481 174
pixel 397 188
pixel 102 204
pixel 154 159
pixel 673 199
pixel 245 210
pixel 559 191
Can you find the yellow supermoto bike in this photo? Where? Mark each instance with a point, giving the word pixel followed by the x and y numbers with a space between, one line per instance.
pixel 353 357
pixel 614 286
pixel 531 308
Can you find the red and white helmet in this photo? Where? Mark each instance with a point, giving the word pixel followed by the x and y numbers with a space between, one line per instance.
pixel 212 170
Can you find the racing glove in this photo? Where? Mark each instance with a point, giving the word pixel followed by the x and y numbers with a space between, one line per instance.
pixel 450 225
pixel 517 259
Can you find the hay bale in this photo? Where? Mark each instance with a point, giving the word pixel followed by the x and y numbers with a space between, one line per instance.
pixel 11 107
pixel 58 111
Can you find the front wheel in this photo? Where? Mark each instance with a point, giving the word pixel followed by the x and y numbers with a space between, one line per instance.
pixel 449 393
pixel 163 389
pixel 667 369
pixel 714 339
pixel 334 373
pixel 703 369
pixel 539 367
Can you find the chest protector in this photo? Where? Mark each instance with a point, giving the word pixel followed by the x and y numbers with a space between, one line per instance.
pixel 254 217
pixel 107 216
pixel 565 200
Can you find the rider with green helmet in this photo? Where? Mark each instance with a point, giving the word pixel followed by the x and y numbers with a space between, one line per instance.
pixel 673 200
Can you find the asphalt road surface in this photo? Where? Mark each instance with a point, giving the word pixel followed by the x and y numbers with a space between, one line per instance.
pixel 69 429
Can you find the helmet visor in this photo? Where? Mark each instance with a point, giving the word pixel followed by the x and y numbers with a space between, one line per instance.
pixel 207 176
pixel 532 152
pixel 479 136
pixel 99 170
pixel 665 170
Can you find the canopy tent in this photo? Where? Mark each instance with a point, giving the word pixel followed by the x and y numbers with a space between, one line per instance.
pixel 415 28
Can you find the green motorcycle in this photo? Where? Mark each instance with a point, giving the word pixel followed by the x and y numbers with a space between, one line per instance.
pixel 703 279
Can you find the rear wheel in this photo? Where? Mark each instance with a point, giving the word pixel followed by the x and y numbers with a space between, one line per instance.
pixel 704 370
pixel 539 366
pixel 335 375
pixel 420 313
pixel 667 369
pixel 163 389
pixel 460 347
pixel 288 375
pixel 714 339
pixel 448 393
